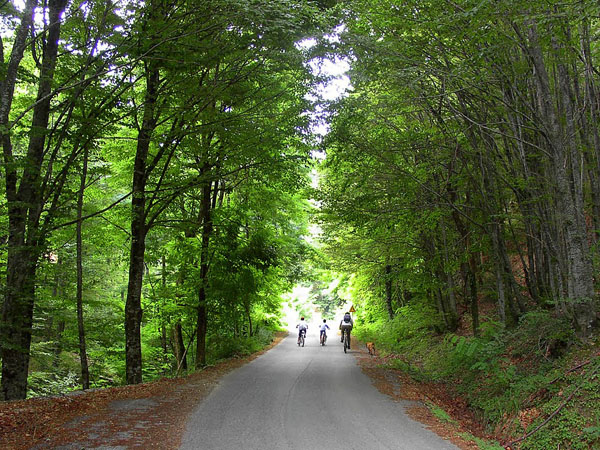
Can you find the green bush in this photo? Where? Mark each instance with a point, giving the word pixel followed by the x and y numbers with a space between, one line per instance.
pixel 540 336
pixel 222 347
pixel 407 333
pixel 46 383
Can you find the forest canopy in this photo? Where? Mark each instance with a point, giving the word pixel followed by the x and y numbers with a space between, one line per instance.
pixel 156 158
pixel 160 191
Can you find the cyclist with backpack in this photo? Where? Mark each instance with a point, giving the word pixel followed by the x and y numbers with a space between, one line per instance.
pixel 302 327
pixel 346 325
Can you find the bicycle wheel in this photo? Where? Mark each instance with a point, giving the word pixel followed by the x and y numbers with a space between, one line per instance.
pixel 346 346
pixel 302 340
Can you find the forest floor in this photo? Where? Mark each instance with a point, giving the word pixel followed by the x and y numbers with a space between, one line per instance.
pixel 153 415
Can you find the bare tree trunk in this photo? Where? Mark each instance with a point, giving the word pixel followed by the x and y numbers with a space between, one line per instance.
pixel 581 280
pixel 25 207
pixel 470 267
pixel 565 161
pixel 179 347
pixel 202 323
pixel 60 329
pixel 163 327
pixel 58 293
pixel 248 316
pixel 85 374
pixel 388 291
pixel 201 328
pixel 591 103
pixel 139 229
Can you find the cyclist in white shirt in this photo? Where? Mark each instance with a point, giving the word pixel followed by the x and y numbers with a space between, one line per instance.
pixel 302 327
pixel 324 328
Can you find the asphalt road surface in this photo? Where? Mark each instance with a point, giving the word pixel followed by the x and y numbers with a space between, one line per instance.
pixel 304 398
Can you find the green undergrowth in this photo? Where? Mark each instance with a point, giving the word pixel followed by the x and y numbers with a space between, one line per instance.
pixel 227 347
pixel 512 379
pixel 111 373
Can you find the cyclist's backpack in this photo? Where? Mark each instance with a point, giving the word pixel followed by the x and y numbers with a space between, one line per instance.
pixel 347 318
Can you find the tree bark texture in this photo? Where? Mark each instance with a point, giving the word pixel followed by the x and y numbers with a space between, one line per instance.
pixel 388 291
pixel 179 347
pixel 85 374
pixel 579 280
pixel 139 230
pixel 202 319
pixel 25 203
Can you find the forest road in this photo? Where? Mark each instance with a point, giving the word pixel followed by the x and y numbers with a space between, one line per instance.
pixel 304 398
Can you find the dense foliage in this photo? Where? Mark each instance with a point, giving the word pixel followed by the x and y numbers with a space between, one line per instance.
pixel 156 168
pixel 461 189
pixel 156 158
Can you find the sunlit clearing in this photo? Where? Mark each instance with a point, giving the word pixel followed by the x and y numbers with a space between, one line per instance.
pixel 297 304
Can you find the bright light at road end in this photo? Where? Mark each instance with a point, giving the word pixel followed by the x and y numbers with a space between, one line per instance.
pixel 296 304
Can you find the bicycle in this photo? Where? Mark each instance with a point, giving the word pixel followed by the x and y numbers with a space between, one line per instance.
pixel 301 338
pixel 323 338
pixel 346 340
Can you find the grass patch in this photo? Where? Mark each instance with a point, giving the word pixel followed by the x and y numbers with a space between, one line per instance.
pixel 481 443
pixel 440 414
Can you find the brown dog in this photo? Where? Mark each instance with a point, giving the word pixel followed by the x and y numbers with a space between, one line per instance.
pixel 371 348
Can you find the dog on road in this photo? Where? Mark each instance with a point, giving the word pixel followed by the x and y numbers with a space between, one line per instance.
pixel 371 348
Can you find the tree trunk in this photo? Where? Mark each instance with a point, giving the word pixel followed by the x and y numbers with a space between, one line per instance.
pixel 470 268
pixel 570 212
pixel 591 103
pixel 388 291
pixel 57 292
pixel 474 299
pixel 60 329
pixel 201 328
pixel 179 347
pixel 133 305
pixel 85 374
pixel 163 326
pixel 7 84
pixel 453 316
pixel 248 315
pixel 202 324
pixel 24 209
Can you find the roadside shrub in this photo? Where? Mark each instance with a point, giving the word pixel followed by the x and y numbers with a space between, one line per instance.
pixel 41 384
pixel 409 331
pixel 222 347
pixel 540 336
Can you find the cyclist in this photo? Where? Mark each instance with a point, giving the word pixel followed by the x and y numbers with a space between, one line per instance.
pixel 302 327
pixel 324 328
pixel 346 325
